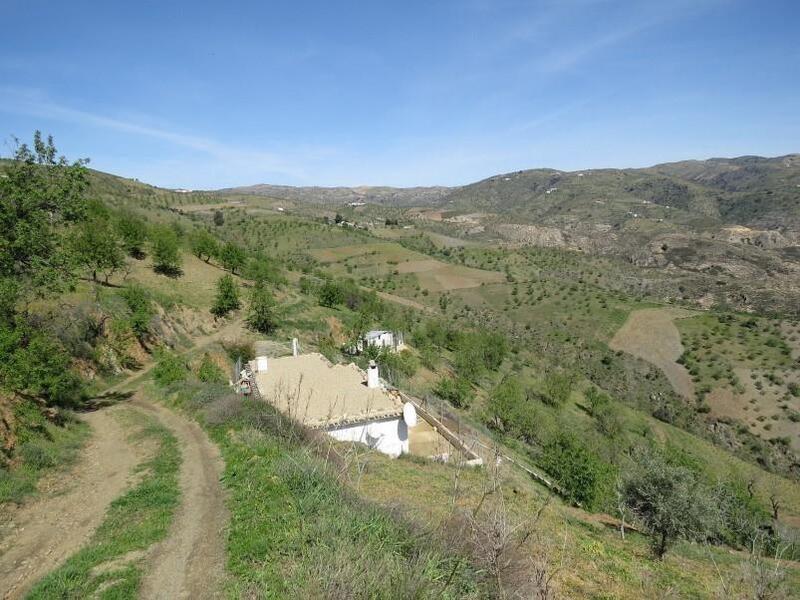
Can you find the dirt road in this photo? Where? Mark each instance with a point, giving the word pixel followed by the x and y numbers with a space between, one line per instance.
pixel 39 536
pixel 190 563
pixel 651 334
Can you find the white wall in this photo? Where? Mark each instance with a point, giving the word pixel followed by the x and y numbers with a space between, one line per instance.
pixel 389 436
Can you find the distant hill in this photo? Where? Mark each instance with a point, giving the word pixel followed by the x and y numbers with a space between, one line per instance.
pixel 402 197
pixel 757 192
pixel 752 191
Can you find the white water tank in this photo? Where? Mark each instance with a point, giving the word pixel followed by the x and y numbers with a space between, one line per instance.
pixel 261 364
pixel 409 415
pixel 373 379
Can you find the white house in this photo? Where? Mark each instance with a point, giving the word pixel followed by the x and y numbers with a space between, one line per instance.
pixel 381 338
pixel 339 399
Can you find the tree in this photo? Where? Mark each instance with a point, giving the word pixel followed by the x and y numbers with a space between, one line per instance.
pixel 97 247
pixel 42 200
pixel 166 252
pixel 261 311
pixel 232 257
pixel 668 500
pixel 133 231
pixel 204 245
pixel 331 294
pixel 227 296
pixel 261 268
pixel 219 218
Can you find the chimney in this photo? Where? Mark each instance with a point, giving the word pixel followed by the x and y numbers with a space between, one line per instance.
pixel 373 380
pixel 295 350
pixel 261 364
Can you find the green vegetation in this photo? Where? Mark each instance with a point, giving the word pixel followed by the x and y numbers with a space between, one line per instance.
pixel 227 298
pixel 321 539
pixel 166 251
pixel 261 310
pixel 209 371
pixel 169 368
pixel 133 232
pixel 41 447
pixel 134 522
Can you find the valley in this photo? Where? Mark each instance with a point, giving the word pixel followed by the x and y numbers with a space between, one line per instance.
pixel 622 318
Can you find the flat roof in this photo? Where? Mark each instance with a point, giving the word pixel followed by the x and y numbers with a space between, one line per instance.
pixel 319 394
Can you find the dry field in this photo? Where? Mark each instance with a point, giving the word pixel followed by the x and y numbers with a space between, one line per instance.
pixel 431 274
pixel 650 334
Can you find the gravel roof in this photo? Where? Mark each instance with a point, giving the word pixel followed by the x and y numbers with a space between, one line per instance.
pixel 321 395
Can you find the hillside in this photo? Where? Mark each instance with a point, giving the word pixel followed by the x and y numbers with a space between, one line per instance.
pixel 573 365
pixel 335 196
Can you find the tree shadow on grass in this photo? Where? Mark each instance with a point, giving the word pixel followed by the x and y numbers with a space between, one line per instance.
pixel 106 399
pixel 168 270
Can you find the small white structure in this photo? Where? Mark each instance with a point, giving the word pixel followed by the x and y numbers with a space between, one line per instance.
pixel 342 400
pixel 381 338
pixel 373 380
pixel 261 364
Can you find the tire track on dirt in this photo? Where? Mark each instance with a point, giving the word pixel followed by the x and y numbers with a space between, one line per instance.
pixel 190 562
pixel 41 535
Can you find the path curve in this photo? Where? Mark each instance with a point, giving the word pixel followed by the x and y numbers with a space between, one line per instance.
pixel 42 534
pixel 190 562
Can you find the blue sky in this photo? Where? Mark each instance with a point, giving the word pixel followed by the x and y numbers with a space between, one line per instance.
pixel 211 94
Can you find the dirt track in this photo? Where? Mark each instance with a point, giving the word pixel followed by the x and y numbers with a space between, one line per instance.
pixel 41 535
pixel 651 334
pixel 190 563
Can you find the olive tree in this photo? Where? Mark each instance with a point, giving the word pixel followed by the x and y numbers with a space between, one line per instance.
pixel 668 499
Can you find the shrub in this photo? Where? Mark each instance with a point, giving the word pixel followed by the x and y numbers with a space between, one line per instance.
pixel 209 371
pixel 169 369
pixel 557 388
pixel 585 478
pixel 456 391
pixel 141 308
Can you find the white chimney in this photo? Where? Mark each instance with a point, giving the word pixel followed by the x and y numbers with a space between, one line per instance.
pixel 295 350
pixel 373 380
pixel 261 364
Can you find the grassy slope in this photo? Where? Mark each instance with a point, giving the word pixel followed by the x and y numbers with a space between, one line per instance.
pixel 44 449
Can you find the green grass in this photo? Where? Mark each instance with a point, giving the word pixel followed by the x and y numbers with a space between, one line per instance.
pixel 42 448
pixel 297 530
pixel 134 522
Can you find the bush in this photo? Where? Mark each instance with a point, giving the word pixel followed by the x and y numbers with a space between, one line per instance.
pixel 557 389
pixel 585 478
pixel 209 371
pixel 140 306
pixel 241 349
pixel 169 369
pixel 456 391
